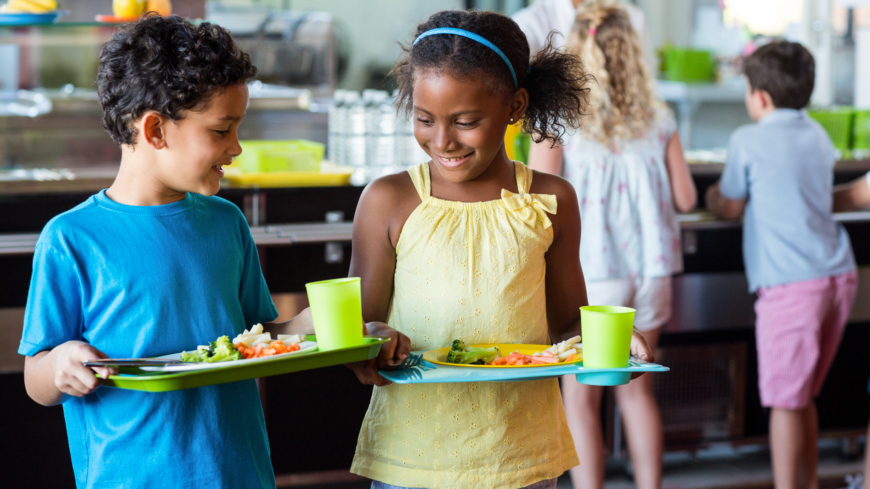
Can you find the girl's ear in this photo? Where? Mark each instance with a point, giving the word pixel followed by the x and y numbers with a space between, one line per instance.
pixel 518 104
pixel 151 130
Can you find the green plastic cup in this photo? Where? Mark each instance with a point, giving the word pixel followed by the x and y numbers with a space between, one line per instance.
pixel 606 332
pixel 336 310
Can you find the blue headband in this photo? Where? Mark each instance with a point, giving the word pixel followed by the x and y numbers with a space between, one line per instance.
pixel 473 37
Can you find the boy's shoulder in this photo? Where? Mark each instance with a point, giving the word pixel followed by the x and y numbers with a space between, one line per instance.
pixel 90 217
pixel 62 225
pixel 221 206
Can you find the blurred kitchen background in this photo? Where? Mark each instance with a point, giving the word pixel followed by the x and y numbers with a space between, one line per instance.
pixel 323 66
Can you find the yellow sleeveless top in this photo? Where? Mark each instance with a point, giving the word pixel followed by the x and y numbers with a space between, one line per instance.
pixel 473 271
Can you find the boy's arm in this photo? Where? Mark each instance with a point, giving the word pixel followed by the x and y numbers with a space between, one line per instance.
pixel 51 376
pixel 852 196
pixel 722 206
pixel 300 324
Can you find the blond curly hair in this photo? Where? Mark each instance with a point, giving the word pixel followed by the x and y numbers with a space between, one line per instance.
pixel 623 106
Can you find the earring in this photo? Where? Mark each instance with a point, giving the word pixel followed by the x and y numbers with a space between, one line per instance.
pixel 512 119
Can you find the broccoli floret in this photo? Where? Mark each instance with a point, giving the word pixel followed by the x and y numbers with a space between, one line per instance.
pixel 459 345
pixel 472 355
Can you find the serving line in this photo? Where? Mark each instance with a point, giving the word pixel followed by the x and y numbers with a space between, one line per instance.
pixel 331 232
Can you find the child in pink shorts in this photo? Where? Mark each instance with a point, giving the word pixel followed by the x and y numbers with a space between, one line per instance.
pixel 779 176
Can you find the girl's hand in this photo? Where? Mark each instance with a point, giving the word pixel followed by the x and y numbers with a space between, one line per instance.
pixel 71 377
pixel 641 350
pixel 393 351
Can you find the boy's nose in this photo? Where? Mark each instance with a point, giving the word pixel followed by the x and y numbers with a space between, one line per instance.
pixel 235 149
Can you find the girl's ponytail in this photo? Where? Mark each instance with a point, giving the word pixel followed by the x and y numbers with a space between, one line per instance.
pixel 558 93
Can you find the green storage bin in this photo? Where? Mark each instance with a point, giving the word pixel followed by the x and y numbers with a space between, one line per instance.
pixel 689 65
pixel 837 122
pixel 861 130
pixel 289 155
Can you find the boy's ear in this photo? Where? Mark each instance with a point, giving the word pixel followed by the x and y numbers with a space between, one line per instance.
pixel 764 98
pixel 518 104
pixel 152 129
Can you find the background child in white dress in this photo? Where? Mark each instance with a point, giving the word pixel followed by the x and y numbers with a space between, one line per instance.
pixel 630 175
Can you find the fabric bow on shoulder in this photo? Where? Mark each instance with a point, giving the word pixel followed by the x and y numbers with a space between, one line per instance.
pixel 530 208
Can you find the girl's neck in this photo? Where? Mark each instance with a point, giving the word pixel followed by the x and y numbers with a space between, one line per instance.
pixel 500 174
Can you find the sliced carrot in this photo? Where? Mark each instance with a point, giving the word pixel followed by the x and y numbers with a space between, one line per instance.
pixel 546 353
pixel 570 358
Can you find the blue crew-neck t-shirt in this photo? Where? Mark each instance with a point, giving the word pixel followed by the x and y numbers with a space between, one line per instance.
pixel 784 167
pixel 147 281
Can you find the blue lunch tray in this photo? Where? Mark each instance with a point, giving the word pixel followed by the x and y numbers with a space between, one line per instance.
pixel 430 373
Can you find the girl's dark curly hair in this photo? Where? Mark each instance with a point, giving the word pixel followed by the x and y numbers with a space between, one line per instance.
pixel 555 80
pixel 168 65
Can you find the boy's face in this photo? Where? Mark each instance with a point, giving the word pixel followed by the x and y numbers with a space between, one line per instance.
pixel 199 145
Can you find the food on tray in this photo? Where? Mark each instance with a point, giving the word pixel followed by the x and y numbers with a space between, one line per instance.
pixel 28 6
pixel 254 343
pixel 469 355
pixel 564 352
pixel 217 351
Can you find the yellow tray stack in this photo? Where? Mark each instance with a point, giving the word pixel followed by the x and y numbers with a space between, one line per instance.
pixel 287 163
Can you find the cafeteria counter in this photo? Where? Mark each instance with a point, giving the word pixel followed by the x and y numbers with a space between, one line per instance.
pixel 303 234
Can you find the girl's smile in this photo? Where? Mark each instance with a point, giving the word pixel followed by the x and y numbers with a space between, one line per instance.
pixel 453 161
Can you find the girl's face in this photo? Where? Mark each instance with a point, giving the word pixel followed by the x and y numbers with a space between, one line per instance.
pixel 460 124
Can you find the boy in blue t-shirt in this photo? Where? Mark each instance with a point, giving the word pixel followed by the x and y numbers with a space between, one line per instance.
pixel 779 176
pixel 156 265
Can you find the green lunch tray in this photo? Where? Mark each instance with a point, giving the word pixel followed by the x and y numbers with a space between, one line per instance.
pixel 140 380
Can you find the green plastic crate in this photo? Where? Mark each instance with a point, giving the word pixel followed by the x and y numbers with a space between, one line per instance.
pixel 689 65
pixel 289 155
pixel 861 130
pixel 837 122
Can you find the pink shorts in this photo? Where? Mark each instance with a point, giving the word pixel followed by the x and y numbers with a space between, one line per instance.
pixel 798 328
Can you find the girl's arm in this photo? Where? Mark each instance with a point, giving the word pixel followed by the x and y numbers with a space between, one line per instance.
pixel 565 285
pixel 381 212
pixel 682 186
pixel 546 159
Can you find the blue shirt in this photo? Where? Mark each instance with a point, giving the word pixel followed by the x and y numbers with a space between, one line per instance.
pixel 147 281
pixel 784 167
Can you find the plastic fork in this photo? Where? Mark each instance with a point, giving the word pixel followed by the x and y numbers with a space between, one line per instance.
pixel 411 361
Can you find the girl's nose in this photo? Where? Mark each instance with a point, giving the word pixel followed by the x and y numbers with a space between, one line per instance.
pixel 444 140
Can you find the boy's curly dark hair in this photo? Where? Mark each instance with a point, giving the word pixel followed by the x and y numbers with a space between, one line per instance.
pixel 785 70
pixel 168 65
pixel 555 80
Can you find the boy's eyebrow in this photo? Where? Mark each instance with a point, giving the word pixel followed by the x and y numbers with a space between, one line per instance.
pixel 230 118
pixel 462 112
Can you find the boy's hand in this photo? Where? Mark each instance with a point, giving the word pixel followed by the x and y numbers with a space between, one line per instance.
pixel 641 350
pixel 392 351
pixel 71 377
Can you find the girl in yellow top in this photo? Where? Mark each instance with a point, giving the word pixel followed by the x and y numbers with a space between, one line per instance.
pixel 470 245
